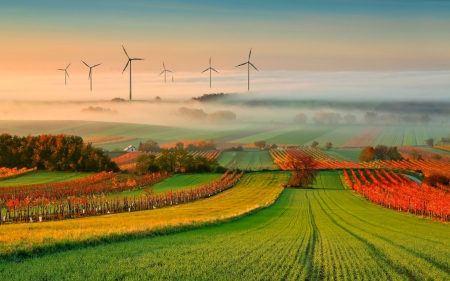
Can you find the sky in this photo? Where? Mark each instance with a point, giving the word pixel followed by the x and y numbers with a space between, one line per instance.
pixel 298 39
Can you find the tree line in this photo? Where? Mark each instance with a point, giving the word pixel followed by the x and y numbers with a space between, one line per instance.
pixel 176 160
pixel 54 153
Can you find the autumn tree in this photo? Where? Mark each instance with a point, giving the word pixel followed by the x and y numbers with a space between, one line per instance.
pixel 314 144
pixel 300 118
pixel 303 168
pixel 328 145
pixel 415 154
pixel 179 145
pixel 350 118
pixel 430 142
pixel 367 154
pixel 393 153
pixel 149 146
pixel 261 144
pixel 435 179
pixel 381 152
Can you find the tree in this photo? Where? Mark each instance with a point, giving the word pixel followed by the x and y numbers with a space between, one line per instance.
pixel 367 154
pixel 149 146
pixel 381 152
pixel 261 144
pixel 350 118
pixel 303 168
pixel 430 142
pixel 424 119
pixel 221 116
pixel 371 117
pixel 179 145
pixel 415 154
pixel 314 144
pixel 300 118
pixel 328 145
pixel 435 179
pixel 393 153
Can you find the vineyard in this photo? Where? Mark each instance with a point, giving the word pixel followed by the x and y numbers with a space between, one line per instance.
pixel 397 192
pixel 81 197
pixel 324 160
pixel 7 173
pixel 324 233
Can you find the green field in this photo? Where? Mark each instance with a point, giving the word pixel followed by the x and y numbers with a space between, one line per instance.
pixel 37 177
pixel 390 136
pixel 325 233
pixel 247 160
pixel 350 154
pixel 303 135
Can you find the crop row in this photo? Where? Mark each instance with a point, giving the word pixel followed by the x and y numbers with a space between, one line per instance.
pixel 398 192
pixel 365 138
pixel 7 173
pixel 45 209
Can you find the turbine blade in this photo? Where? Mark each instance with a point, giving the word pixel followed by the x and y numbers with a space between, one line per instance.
pixel 125 51
pixel 215 70
pixel 90 73
pixel 249 54
pixel 253 66
pixel 164 66
pixel 162 72
pixel 68 65
pixel 85 63
pixel 209 61
pixel 242 64
pixel 60 69
pixel 67 73
pixel 125 67
pixel 205 70
pixel 136 59
pixel 168 70
pixel 96 65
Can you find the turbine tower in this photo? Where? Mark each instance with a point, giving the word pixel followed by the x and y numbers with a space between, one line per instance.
pixel 210 68
pixel 129 62
pixel 90 71
pixel 248 64
pixel 66 74
pixel 165 71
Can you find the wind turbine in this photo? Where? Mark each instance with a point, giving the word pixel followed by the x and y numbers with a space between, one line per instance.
pixel 210 68
pixel 90 71
pixel 164 71
pixel 66 73
pixel 248 63
pixel 129 62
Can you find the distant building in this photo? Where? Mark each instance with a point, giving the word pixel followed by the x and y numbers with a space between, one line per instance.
pixel 130 148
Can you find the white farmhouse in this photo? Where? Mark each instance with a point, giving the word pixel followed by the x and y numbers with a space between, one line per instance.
pixel 130 148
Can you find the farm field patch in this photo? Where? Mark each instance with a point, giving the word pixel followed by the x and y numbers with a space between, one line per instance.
pixel 339 136
pixel 276 131
pixel 344 154
pixel 38 177
pixel 301 136
pixel 247 160
pixel 390 136
pixel 324 233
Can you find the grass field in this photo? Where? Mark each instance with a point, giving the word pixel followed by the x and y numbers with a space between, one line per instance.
pixel 302 136
pixel 325 233
pixel 247 160
pixel 350 154
pixel 37 177
pixel 252 192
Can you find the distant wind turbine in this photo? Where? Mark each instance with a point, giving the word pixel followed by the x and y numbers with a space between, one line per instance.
pixel 90 71
pixel 248 63
pixel 210 68
pixel 129 62
pixel 164 71
pixel 66 74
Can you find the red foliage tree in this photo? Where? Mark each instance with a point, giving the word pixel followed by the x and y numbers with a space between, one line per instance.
pixel 304 169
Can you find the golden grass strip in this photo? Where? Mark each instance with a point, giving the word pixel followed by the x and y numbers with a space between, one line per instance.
pixel 252 192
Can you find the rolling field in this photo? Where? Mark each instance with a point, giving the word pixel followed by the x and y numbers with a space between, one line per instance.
pixel 390 136
pixel 325 233
pixel 38 177
pixel 247 160
pixel 301 136
pixel 252 192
